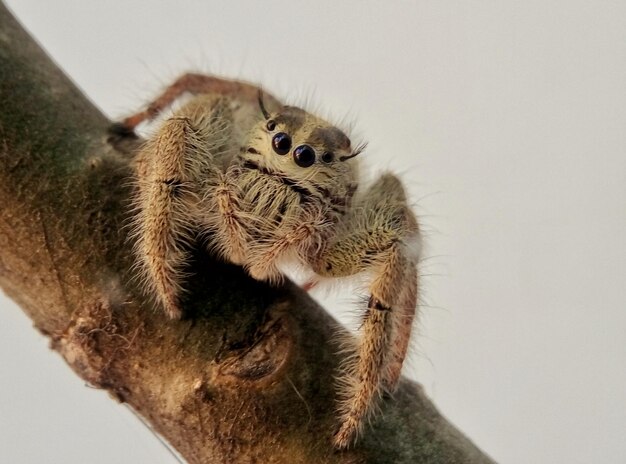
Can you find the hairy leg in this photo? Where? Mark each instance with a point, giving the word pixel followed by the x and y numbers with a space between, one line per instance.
pixel 379 237
pixel 407 302
pixel 171 169
pixel 196 84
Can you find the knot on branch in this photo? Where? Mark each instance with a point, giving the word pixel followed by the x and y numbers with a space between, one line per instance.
pixel 263 358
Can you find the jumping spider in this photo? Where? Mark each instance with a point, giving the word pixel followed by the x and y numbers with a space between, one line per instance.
pixel 273 185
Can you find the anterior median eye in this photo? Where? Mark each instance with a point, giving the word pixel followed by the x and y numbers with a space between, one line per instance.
pixel 304 156
pixel 281 143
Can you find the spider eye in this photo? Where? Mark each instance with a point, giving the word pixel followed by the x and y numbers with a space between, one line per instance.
pixel 328 157
pixel 271 125
pixel 304 156
pixel 281 143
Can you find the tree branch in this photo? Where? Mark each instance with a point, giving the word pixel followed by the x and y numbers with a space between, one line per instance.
pixel 247 377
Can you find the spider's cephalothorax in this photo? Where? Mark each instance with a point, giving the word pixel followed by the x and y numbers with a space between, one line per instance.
pixel 271 186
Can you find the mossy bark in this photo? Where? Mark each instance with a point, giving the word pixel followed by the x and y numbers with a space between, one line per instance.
pixel 247 376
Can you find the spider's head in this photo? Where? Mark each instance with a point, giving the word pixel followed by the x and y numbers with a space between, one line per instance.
pixel 303 148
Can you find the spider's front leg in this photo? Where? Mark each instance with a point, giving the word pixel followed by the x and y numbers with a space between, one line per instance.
pixel 194 84
pixel 171 169
pixel 381 236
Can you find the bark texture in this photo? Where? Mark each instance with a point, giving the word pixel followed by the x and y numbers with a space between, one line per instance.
pixel 246 377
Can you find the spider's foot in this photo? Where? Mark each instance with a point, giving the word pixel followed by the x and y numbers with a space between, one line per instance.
pixel 346 435
pixel 265 272
pixel 173 312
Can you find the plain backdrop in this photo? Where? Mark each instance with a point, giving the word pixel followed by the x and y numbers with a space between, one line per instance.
pixel 506 121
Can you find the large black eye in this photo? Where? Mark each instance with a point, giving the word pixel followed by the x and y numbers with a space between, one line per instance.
pixel 281 143
pixel 304 156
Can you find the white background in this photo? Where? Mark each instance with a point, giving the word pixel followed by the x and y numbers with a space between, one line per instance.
pixel 505 119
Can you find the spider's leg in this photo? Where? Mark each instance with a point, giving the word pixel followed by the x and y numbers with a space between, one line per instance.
pixel 407 302
pixel 378 236
pixel 170 169
pixel 194 84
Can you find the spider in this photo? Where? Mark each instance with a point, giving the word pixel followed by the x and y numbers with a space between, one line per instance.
pixel 269 183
